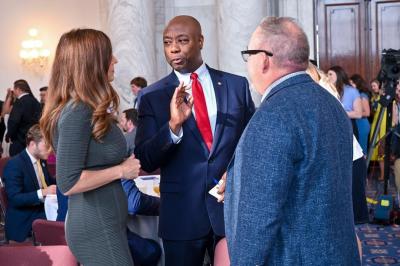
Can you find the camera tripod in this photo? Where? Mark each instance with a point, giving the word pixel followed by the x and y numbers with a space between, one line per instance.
pixel 386 138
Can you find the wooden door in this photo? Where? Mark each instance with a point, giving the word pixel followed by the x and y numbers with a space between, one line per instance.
pixel 341 34
pixel 352 33
pixel 385 30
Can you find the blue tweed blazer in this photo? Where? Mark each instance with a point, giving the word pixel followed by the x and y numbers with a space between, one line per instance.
pixel 288 196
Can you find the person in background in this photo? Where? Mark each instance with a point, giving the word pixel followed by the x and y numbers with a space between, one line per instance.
pixel 190 132
pixel 24 114
pixel 363 125
pixel 137 84
pixel 79 121
pixel 5 114
pixel 288 158
pixel 128 123
pixel 43 96
pixel 2 127
pixel 395 145
pixel 349 96
pixel 27 183
pixel 378 152
pixel 376 92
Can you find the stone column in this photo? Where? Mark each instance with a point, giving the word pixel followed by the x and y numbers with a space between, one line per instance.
pixel 130 24
pixel 303 11
pixel 237 20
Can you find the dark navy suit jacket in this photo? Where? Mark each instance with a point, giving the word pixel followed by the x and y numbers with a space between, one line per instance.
pixel 24 114
pixel 188 169
pixel 24 205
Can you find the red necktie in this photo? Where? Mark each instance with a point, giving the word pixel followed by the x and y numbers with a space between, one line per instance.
pixel 200 109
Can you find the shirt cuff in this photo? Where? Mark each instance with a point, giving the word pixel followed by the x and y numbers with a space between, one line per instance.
pixel 176 139
pixel 40 195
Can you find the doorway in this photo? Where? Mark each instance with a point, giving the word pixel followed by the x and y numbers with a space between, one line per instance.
pixel 353 33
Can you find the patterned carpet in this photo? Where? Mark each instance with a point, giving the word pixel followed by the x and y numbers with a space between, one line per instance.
pixel 381 243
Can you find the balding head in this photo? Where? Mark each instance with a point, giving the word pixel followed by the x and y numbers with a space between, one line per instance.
pixel 186 21
pixel 278 47
pixel 183 42
pixel 286 40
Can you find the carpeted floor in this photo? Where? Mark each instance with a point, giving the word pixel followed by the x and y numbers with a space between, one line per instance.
pixel 381 243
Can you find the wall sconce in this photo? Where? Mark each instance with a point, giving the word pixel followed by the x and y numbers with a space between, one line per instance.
pixel 33 54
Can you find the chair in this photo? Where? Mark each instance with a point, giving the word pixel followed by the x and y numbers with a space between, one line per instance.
pixel 48 233
pixel 221 256
pixel 37 255
pixel 3 162
pixel 3 207
pixel 3 195
pixel 3 201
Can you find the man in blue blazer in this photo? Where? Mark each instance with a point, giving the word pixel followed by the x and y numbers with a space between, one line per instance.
pixel 288 196
pixel 27 183
pixel 192 147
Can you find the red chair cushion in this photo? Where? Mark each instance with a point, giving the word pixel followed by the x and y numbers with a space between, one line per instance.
pixel 37 255
pixel 48 233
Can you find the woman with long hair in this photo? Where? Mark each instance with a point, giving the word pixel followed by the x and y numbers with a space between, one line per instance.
pixel 362 124
pixel 378 146
pixel 80 123
pixel 349 96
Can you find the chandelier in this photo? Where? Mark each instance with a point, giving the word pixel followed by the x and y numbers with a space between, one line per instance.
pixel 32 53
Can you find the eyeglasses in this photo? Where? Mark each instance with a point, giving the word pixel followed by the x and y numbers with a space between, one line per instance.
pixel 246 53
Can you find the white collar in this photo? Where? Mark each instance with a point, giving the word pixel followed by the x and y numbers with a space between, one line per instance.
pixel 22 95
pixel 33 159
pixel 185 77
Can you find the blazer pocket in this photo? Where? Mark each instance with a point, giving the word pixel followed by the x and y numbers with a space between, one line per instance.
pixel 170 187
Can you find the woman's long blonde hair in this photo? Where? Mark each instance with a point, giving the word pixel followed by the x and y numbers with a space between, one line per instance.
pixel 322 79
pixel 80 73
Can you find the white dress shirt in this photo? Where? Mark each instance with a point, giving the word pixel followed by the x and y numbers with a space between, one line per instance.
pixel 209 94
pixel 22 95
pixel 34 160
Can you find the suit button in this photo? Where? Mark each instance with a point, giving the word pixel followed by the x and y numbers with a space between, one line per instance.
pixel 211 160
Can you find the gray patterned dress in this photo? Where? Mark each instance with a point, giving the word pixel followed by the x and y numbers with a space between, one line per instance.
pixel 96 219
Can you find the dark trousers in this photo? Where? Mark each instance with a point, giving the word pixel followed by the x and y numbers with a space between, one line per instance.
pixel 145 252
pixel 190 252
pixel 360 208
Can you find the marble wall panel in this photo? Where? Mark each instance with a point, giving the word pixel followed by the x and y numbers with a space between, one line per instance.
pixel 131 26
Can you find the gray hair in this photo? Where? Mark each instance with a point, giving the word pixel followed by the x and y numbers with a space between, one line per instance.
pixel 287 42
